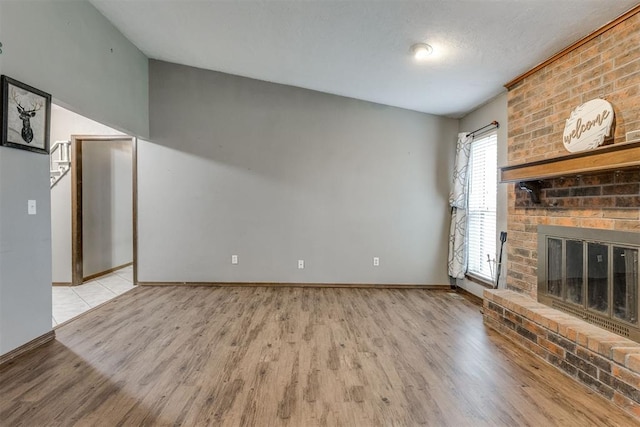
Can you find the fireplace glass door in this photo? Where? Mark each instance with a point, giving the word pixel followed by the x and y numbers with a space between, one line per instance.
pixel 574 264
pixel 593 274
pixel 554 262
pixel 597 276
pixel 625 284
pixel 565 270
pixel 606 281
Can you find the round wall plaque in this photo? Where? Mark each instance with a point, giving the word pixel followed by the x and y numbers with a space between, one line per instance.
pixel 588 125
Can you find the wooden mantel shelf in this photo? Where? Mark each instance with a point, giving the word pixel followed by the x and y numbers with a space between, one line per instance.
pixel 607 158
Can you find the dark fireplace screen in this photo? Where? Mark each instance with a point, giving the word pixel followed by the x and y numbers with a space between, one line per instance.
pixel 592 274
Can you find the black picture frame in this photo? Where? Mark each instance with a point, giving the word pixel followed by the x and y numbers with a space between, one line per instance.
pixel 25 126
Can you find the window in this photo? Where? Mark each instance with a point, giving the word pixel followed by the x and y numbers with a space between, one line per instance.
pixel 481 207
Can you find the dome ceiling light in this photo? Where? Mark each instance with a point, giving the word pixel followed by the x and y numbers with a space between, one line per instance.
pixel 421 51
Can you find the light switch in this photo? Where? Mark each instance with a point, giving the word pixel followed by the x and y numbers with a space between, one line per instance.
pixel 31 207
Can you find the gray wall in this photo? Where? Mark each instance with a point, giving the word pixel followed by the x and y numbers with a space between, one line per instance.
pixel 68 49
pixel 64 49
pixel 25 248
pixel 275 174
pixel 496 109
pixel 65 123
pixel 107 235
pixel 1 40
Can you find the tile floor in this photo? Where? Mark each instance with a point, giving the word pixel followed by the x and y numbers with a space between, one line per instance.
pixel 71 301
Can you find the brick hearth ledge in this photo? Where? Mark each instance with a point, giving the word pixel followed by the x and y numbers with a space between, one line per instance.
pixel 603 361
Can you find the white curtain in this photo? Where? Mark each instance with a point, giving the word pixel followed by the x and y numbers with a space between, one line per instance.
pixel 458 202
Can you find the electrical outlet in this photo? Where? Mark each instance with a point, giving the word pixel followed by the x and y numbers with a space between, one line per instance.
pixel 300 264
pixel 234 259
pixel 376 261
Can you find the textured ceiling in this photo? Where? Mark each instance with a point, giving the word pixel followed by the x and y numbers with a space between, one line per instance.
pixel 360 49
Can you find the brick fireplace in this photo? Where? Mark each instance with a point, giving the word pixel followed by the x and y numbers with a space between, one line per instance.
pixel 605 65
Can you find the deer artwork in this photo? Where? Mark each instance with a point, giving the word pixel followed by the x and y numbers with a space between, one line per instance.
pixel 26 116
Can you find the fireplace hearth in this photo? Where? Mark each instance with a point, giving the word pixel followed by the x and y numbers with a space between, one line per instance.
pixel 592 274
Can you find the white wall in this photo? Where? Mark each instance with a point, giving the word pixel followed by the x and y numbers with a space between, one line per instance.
pixel 65 123
pixel 275 174
pixel 496 109
pixel 64 48
pixel 106 205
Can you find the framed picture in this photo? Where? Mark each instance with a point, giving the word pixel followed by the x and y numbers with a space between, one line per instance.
pixel 26 116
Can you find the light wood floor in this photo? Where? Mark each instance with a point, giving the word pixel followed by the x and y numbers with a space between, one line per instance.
pixel 200 356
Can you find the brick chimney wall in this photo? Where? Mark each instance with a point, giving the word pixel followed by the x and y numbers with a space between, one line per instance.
pixel 608 67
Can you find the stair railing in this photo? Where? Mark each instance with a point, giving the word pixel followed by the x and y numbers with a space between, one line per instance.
pixel 59 160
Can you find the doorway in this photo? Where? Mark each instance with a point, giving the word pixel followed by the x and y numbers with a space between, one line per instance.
pixel 103 206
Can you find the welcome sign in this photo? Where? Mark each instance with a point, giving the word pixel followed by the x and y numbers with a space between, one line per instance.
pixel 588 125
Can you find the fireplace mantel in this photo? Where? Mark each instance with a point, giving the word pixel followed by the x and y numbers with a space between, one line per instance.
pixel 607 158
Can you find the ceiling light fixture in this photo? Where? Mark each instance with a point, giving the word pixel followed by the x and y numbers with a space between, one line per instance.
pixel 421 50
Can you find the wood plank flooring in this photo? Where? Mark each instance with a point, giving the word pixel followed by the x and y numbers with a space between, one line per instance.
pixel 197 356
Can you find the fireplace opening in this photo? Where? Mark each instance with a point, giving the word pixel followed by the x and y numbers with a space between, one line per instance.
pixel 592 274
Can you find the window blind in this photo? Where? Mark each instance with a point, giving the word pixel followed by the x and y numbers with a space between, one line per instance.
pixel 481 206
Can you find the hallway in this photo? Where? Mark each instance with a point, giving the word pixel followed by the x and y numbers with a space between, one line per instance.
pixel 71 301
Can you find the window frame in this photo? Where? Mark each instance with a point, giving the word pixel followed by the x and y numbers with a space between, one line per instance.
pixel 482 276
